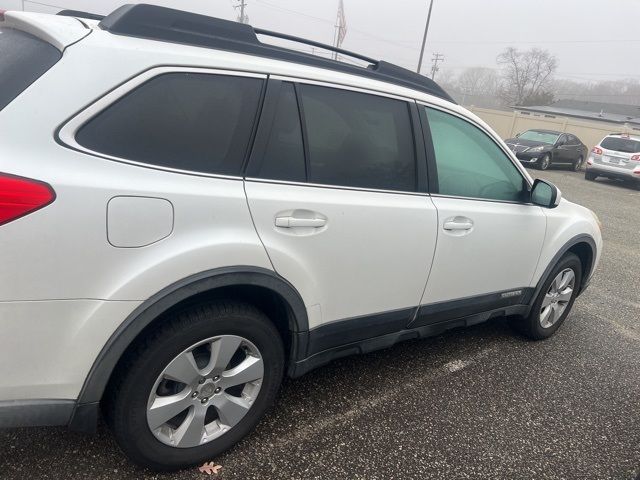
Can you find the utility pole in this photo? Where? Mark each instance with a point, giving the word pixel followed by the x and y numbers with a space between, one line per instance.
pixel 437 58
pixel 242 18
pixel 424 38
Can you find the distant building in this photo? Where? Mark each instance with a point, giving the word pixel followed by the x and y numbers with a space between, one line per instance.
pixel 604 112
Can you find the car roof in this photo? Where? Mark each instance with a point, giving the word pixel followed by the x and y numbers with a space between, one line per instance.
pixel 153 22
pixel 623 135
pixel 544 131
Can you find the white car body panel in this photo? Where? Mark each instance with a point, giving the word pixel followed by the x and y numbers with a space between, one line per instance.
pixel 66 289
pixel 499 253
pixel 372 256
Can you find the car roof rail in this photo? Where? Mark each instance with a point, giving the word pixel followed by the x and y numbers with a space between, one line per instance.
pixel 176 26
pixel 81 14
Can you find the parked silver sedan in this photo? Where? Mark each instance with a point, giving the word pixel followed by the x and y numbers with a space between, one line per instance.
pixel 616 156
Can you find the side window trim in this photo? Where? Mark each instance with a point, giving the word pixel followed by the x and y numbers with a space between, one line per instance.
pixel 431 157
pixel 66 132
pixel 305 134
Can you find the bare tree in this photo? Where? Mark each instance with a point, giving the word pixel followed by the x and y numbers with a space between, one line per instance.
pixel 526 75
pixel 478 81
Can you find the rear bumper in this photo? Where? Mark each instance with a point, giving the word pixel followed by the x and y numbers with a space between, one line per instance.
pixel 613 172
pixel 46 351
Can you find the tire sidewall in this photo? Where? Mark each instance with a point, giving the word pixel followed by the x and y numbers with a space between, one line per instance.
pixel 542 162
pixel 130 425
pixel 568 261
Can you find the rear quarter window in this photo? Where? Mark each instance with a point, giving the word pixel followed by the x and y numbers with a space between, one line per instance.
pixel 23 59
pixel 188 121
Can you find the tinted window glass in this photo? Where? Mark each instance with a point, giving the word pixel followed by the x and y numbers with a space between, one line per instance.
pixel 188 121
pixel 619 144
pixel 284 154
pixel 358 140
pixel 469 162
pixel 23 59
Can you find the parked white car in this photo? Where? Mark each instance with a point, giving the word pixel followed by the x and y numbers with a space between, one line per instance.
pixel 188 214
pixel 617 156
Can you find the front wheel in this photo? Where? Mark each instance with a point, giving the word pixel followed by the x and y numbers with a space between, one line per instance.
pixel 196 386
pixel 590 176
pixel 544 162
pixel 555 300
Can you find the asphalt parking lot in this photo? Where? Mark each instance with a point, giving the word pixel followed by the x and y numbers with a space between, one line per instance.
pixel 476 403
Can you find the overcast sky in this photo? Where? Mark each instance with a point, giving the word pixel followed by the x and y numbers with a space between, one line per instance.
pixel 592 39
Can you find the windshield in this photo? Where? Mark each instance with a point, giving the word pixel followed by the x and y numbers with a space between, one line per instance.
pixel 626 145
pixel 537 136
pixel 23 58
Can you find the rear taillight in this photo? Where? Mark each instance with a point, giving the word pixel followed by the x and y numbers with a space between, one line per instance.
pixel 636 158
pixel 20 196
pixel 597 150
pixel 2 15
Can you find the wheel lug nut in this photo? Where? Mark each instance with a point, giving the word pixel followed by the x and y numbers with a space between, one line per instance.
pixel 204 400
pixel 201 381
pixel 217 377
pixel 218 390
pixel 194 394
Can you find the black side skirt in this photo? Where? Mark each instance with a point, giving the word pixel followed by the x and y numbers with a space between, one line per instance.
pixel 373 332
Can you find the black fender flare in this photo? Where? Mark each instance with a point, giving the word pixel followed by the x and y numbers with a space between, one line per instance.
pixel 582 238
pixel 86 411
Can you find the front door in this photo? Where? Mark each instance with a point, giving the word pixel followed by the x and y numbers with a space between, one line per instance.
pixel 489 235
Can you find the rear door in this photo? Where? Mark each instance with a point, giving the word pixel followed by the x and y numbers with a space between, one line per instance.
pixel 489 235
pixel 333 187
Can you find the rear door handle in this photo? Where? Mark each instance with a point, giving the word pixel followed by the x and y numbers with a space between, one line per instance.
pixel 293 222
pixel 458 224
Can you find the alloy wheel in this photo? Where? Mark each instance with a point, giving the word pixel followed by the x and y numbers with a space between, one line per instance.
pixel 557 298
pixel 204 391
pixel 544 163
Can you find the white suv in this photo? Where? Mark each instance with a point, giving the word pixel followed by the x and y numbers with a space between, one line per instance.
pixel 617 156
pixel 188 214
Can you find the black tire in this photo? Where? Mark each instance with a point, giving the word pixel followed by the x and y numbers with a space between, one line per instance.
pixel 126 401
pixel 542 164
pixel 590 176
pixel 531 326
pixel 577 165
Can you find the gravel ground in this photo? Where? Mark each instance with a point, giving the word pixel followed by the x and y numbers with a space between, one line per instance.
pixel 480 403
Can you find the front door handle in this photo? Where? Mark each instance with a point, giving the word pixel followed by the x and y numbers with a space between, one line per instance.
pixel 293 222
pixel 457 223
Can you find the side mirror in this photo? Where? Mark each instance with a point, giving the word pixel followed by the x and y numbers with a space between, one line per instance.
pixel 560 142
pixel 518 135
pixel 545 194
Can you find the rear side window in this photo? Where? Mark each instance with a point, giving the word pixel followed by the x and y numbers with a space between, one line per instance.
pixel 23 59
pixel 358 140
pixel 187 121
pixel 469 163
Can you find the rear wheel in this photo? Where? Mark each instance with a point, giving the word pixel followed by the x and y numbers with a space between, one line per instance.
pixel 590 176
pixel 577 165
pixel 544 162
pixel 196 386
pixel 554 302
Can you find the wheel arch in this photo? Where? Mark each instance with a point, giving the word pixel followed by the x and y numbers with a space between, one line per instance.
pixel 584 247
pixel 234 281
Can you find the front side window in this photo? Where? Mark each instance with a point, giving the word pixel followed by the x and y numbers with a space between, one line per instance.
pixel 188 121
pixel 358 140
pixel 469 163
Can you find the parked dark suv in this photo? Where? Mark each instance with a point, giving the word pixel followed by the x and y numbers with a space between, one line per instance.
pixel 542 148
